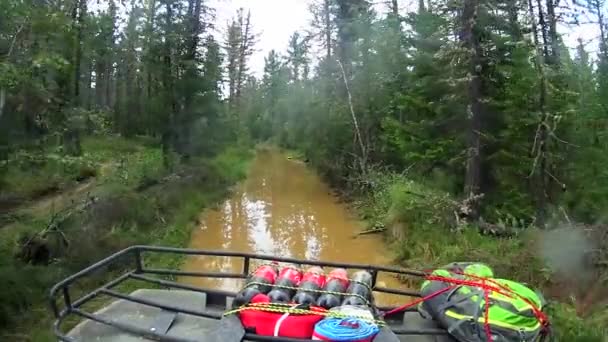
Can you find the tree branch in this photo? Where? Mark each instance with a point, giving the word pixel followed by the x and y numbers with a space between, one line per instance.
pixel 8 55
pixel 10 49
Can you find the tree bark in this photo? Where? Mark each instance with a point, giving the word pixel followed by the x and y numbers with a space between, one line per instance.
pixel 149 60
pixel 78 16
pixel 244 51
pixel 195 28
pixel 327 9
pixel 168 137
pixel 396 19
pixel 108 61
pixel 543 27
pixel 597 6
pixel 2 101
pixel 421 7
pixel 552 31
pixel 100 83
pixel 540 138
pixel 89 81
pixel 395 8
pixel 475 111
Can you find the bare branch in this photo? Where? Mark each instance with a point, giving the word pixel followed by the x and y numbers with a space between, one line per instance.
pixel 10 49
pixel 562 140
pixel 555 179
pixel 352 112
pixel 535 163
pixel 8 55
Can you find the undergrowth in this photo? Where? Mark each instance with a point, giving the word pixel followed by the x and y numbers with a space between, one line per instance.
pixel 29 174
pixel 422 228
pixel 123 213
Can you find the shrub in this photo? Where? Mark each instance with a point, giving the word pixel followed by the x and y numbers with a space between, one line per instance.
pixel 22 287
pixel 33 174
pixel 416 205
pixel 393 200
pixel 569 327
pixel 231 164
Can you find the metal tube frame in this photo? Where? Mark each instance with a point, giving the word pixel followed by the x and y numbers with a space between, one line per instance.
pixel 61 290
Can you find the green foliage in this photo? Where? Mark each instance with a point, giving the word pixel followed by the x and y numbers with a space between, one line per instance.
pixel 422 221
pixel 124 213
pixel 415 205
pixel 29 174
pixel 151 71
pixel 136 168
pixel 394 199
pixel 22 286
pixel 568 326
pixel 231 164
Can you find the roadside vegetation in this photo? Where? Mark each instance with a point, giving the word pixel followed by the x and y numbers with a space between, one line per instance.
pixel 469 130
pixel 465 131
pixel 133 199
pixel 113 132
pixel 420 223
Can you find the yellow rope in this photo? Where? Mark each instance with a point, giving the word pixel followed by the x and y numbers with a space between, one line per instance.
pixel 278 308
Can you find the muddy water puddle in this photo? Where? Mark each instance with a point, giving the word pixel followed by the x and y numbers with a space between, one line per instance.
pixel 284 209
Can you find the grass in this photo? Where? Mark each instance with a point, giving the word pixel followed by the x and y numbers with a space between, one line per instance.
pixel 421 226
pixel 31 174
pixel 34 175
pixel 125 213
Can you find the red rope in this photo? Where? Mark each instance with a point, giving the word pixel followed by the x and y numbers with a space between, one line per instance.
pixel 486 318
pixel 482 283
pixel 418 301
pixel 538 313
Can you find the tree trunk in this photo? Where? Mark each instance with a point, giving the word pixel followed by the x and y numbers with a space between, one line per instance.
pixel 100 84
pixel 540 138
pixel 109 79
pixel 396 19
pixel 346 36
pixel 2 101
pixel 543 27
pixel 245 46
pixel 168 139
pixel 78 15
pixel 552 31
pixel 151 9
pixel 475 111
pixel 421 6
pixel 512 10
pixel 195 27
pixel 327 9
pixel 600 16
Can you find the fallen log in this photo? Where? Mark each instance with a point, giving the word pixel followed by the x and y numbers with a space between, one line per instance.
pixel 371 231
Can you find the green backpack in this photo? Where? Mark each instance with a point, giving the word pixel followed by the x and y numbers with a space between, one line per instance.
pixel 513 309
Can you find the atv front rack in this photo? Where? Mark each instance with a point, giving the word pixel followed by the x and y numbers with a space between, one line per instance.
pixel 64 306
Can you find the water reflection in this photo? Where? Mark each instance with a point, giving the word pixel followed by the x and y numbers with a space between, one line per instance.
pixel 282 209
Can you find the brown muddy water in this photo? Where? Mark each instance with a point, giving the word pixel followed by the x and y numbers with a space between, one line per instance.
pixel 283 209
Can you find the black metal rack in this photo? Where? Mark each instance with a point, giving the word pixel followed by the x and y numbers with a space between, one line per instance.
pixel 138 271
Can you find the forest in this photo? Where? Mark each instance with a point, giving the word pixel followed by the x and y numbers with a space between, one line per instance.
pixel 467 123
